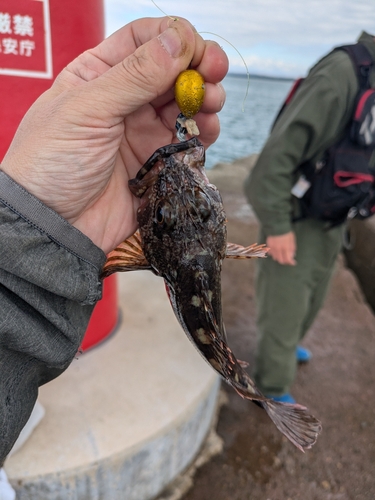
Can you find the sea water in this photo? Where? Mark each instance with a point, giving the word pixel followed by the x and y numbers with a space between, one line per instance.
pixel 245 132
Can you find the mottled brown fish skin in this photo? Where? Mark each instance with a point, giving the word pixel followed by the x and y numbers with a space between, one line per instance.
pixel 187 246
pixel 183 233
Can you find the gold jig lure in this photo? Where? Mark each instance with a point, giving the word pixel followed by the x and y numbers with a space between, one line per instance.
pixel 189 92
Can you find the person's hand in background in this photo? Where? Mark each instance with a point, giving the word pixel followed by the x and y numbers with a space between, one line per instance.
pixel 283 248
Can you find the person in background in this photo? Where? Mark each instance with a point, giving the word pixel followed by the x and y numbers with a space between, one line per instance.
pixel 292 283
pixel 64 197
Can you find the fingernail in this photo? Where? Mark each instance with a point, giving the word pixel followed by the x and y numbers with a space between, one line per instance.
pixel 171 41
pixel 223 94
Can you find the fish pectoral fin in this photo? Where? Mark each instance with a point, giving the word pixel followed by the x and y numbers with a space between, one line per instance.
pixel 239 252
pixel 128 256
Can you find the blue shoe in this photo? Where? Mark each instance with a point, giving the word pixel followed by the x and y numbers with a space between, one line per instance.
pixel 303 355
pixel 285 398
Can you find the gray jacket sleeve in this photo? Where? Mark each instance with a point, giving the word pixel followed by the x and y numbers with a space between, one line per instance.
pixel 49 284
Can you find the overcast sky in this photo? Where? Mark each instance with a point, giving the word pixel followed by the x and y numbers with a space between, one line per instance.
pixel 275 37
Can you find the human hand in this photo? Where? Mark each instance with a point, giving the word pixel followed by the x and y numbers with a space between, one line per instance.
pixel 283 248
pixel 106 113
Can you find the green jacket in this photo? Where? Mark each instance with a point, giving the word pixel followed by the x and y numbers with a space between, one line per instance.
pixel 313 121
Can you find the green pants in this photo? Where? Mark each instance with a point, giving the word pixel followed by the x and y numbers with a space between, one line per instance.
pixel 288 299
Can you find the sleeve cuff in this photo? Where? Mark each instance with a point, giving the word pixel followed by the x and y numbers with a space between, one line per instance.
pixel 44 249
pixel 33 211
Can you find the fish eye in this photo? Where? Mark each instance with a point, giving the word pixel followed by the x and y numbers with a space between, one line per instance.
pixel 202 204
pixel 164 215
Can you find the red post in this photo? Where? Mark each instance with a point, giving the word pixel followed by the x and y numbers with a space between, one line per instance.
pixel 38 38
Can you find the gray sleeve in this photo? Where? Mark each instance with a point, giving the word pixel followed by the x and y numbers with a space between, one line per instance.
pixel 49 284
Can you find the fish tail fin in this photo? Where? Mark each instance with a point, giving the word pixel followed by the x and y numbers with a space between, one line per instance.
pixel 294 421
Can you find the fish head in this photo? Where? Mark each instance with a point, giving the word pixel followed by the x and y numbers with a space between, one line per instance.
pixel 181 217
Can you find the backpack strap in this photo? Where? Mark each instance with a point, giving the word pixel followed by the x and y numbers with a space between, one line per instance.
pixel 362 61
pixel 292 91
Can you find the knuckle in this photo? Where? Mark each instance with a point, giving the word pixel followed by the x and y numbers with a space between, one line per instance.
pixel 139 72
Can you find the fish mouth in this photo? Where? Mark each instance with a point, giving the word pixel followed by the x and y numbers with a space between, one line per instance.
pixel 195 158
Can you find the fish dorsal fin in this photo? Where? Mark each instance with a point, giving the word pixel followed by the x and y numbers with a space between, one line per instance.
pixel 128 256
pixel 239 252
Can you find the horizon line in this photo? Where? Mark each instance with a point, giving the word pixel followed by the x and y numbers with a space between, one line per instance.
pixel 265 77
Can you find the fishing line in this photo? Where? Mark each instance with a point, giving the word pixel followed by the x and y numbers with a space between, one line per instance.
pixel 162 11
pixel 225 40
pixel 243 60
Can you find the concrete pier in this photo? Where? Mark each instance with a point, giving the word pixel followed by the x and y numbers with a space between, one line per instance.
pixel 126 417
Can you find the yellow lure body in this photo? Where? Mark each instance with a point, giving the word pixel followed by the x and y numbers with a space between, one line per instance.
pixel 189 92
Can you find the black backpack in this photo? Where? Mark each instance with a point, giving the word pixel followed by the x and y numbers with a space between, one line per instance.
pixel 342 184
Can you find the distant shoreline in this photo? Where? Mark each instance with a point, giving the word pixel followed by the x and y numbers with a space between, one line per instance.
pixel 262 77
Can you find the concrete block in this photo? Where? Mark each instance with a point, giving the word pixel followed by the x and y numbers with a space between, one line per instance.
pixel 126 417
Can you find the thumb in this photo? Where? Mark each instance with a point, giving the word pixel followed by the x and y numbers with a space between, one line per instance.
pixel 149 72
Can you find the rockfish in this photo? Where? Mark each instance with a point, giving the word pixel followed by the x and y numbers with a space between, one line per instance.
pixel 182 237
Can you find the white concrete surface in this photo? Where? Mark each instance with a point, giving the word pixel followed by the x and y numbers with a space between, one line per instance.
pixel 126 417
